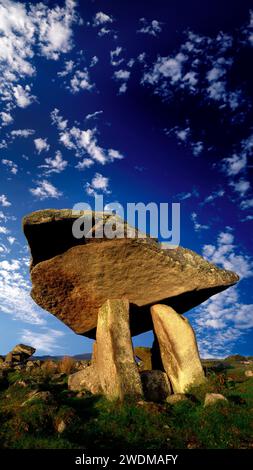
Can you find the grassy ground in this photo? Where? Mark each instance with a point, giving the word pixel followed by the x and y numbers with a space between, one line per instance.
pixel 93 422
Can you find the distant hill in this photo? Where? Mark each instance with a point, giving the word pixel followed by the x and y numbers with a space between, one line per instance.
pixel 235 357
pixel 78 357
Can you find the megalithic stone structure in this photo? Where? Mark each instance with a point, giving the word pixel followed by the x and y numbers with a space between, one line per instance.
pixel 178 348
pixel 104 288
pixel 116 367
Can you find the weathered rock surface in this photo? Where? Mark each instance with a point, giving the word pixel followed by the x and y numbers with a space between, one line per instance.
pixel 156 385
pixel 85 380
pixel 212 398
pixel 23 350
pixel 72 278
pixel 178 347
pixel 114 357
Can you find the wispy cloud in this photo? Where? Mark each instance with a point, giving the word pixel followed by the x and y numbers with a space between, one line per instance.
pixel 45 340
pixel 45 190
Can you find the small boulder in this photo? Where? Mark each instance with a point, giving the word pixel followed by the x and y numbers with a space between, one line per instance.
pixel 176 398
pixel 156 385
pixel 212 398
pixel 249 373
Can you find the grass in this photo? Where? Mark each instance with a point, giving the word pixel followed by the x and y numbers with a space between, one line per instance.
pixel 92 422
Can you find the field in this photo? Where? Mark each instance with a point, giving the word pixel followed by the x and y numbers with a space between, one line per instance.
pixel 37 411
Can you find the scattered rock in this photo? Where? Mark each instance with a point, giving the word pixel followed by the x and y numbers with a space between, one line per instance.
pixel 156 385
pixel 178 347
pixel 134 268
pixel 114 358
pixel 176 398
pixel 249 373
pixel 61 426
pixel 212 398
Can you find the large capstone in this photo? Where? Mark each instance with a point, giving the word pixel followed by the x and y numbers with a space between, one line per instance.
pixel 72 278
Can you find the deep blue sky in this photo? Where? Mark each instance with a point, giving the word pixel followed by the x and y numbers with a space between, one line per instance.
pixel 171 85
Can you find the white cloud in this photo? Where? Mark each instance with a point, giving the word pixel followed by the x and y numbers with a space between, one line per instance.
pixel 93 115
pixel 197 226
pixel 83 141
pixel 85 163
pixel 153 28
pixel 102 19
pixel 122 88
pixel 58 120
pixel 44 341
pixel 27 29
pixel 23 96
pixel 41 144
pixel 13 167
pixel 15 297
pixel 247 204
pixel 68 68
pixel 225 255
pixel 222 320
pixel 99 184
pixel 80 81
pixel 6 118
pixel 122 74
pixel 3 231
pixel 4 201
pixel 215 195
pixel 115 60
pixel 241 186
pixel 235 164
pixel 45 190
pixel 22 133
pixel 54 28
pixel 54 165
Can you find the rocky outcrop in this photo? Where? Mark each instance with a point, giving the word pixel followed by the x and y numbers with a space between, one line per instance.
pixel 213 398
pixel 20 353
pixel 72 278
pixel 156 385
pixel 178 347
pixel 114 358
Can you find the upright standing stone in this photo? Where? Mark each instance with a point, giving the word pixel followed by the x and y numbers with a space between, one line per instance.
pixel 117 371
pixel 178 347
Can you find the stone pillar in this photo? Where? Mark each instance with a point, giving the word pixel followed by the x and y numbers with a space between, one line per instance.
pixel 178 347
pixel 117 371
